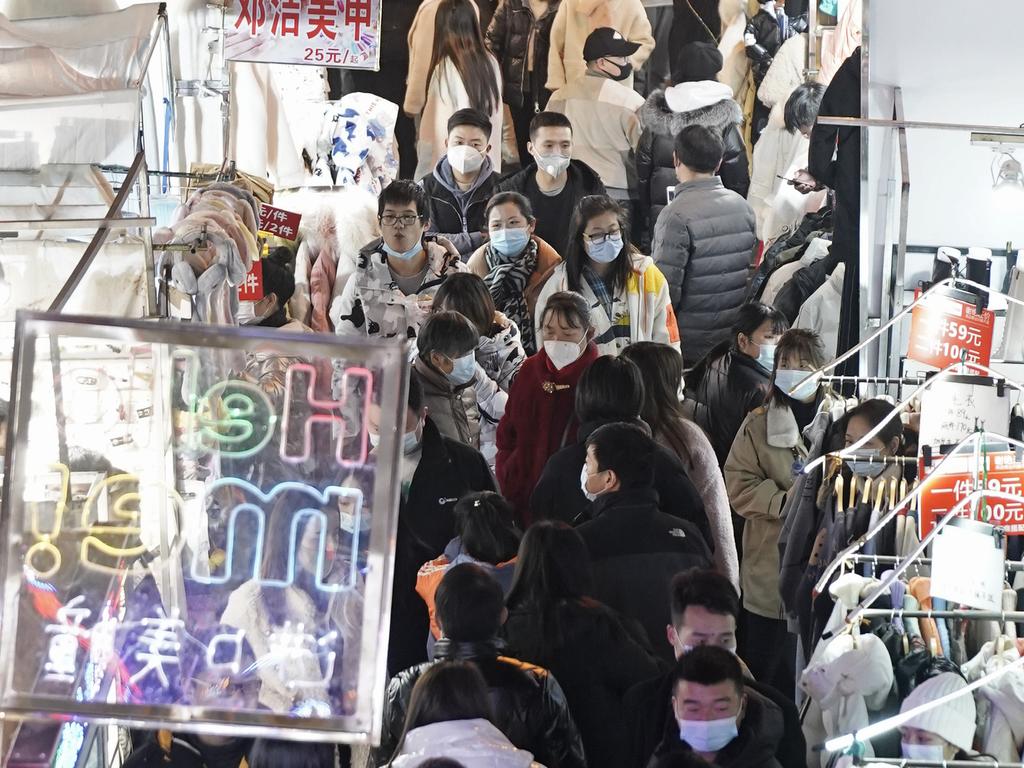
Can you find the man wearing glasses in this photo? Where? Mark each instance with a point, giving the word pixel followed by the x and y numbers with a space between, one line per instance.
pixel 391 290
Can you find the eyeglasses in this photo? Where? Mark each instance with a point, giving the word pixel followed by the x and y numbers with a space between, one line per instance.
pixel 598 239
pixel 406 220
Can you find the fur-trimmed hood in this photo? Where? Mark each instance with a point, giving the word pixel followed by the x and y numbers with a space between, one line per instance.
pixel 656 115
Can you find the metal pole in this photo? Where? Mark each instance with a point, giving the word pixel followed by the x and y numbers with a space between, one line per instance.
pixel 98 239
pixel 877 122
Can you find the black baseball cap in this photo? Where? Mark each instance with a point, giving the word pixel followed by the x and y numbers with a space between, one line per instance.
pixel 605 41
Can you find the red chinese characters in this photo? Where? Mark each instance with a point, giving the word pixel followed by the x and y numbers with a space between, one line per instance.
pixel 287 16
pixel 322 18
pixel 943 489
pixel 357 12
pixel 253 14
pixel 276 221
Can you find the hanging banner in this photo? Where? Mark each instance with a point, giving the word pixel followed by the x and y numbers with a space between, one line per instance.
pixel 944 330
pixel 332 33
pixel 968 565
pixel 279 222
pixel 251 288
pixel 954 408
pixel 944 489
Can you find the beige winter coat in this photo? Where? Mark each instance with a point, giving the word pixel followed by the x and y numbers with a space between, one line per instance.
pixel 576 19
pixel 758 474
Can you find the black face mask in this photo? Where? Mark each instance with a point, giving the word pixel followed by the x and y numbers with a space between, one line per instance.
pixel 624 71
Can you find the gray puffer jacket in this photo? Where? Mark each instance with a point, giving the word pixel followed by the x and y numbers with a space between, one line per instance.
pixel 703 243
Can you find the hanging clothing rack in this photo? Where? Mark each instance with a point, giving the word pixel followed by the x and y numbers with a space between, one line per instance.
pixel 968 615
pixel 1011 565
pixel 981 762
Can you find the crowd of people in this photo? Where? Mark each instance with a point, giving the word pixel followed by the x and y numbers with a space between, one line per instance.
pixel 603 428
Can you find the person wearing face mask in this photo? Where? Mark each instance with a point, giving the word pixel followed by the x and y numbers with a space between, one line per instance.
pixel 514 263
pixel 772 446
pixel 703 241
pixel 734 378
pixel 458 393
pixel 393 286
pixel 462 182
pixel 945 732
pixel 716 717
pixel 554 183
pixel 628 295
pixel 540 417
pixel 435 473
pixel 705 609
pixel 604 111
pixel 863 419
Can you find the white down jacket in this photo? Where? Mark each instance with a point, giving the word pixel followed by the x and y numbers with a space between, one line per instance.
pixel 473 743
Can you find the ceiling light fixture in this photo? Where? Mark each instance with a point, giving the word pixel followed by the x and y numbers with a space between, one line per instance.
pixel 1008 180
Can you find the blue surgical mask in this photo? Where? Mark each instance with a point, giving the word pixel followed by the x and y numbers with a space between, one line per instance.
pixel 766 357
pixel 867 468
pixel 606 252
pixel 787 379
pixel 463 369
pixel 510 242
pixel 403 255
pixel 708 735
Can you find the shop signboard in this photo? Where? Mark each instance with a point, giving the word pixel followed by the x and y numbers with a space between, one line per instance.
pixel 235 569
pixel 279 222
pixel 251 288
pixel 944 488
pixel 945 330
pixel 332 33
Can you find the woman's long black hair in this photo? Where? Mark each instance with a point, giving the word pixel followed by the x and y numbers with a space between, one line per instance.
pixel 576 257
pixel 457 37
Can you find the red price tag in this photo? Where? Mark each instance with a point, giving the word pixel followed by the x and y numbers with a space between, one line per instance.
pixel 251 288
pixel 279 222
pixel 941 491
pixel 944 330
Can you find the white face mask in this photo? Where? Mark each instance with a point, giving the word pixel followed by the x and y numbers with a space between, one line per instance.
pixel 410 441
pixel 553 165
pixel 464 159
pixel 583 484
pixel 933 752
pixel 563 353
pixel 708 735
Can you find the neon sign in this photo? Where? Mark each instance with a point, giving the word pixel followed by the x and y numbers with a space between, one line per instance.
pixel 44 541
pixel 325 419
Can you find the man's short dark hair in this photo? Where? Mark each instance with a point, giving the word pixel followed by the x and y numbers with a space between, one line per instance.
pixel 470 116
pixel 705 588
pixel 548 120
pixel 699 148
pixel 802 106
pixel 402 192
pixel 627 451
pixel 611 389
pixel 708 665
pixel 448 333
pixel 469 604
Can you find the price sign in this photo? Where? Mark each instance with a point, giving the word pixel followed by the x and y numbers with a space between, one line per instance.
pixel 968 565
pixel 942 490
pixel 251 288
pixel 945 330
pixel 276 221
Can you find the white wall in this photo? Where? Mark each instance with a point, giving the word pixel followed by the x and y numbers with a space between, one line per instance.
pixel 961 63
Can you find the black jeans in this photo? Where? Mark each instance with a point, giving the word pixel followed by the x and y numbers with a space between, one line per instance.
pixel 769 650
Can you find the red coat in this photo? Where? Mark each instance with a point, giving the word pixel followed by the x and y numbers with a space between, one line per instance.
pixel 536 424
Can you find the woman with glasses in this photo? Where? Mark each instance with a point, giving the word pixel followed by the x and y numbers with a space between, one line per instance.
pixel 627 294
pixel 514 263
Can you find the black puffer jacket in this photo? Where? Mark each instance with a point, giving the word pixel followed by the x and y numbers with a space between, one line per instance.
pixel 703 244
pixel 529 705
pixel 512 31
pixel 656 172
pixel 720 391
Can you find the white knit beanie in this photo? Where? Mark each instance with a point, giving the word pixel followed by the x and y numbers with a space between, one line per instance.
pixel 955 720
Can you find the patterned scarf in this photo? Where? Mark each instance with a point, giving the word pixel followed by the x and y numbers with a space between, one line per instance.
pixel 600 289
pixel 506 279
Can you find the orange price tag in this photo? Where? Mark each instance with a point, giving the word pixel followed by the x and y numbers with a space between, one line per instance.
pixel 944 330
pixel 943 490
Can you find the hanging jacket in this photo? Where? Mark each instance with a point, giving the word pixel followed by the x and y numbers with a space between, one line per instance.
pixel 514 36
pixel 635 551
pixel 473 742
pixel 576 19
pixel 373 305
pixel 704 103
pixel 758 474
pixel 814 250
pixel 458 411
pixel 804 283
pixel 455 213
pixel 540 419
pixel 703 244
pixel 529 704
pixel 642 312
pixel 501 354
pixel 820 313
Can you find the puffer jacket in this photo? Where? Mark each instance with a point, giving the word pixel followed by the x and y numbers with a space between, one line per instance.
pixel 457 214
pixel 510 35
pixel 372 303
pixel 703 243
pixel 642 311
pixel 529 705
pixel 459 411
pixel 473 742
pixel 758 476
pixel 712 107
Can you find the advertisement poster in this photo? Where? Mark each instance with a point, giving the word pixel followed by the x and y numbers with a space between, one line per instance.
pixel 332 33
